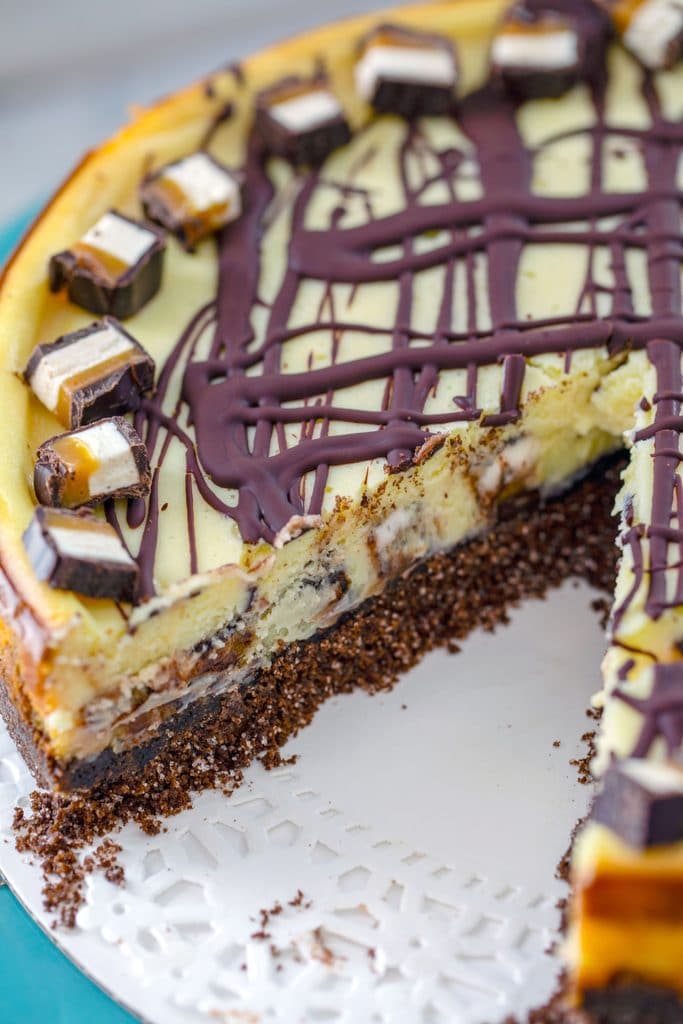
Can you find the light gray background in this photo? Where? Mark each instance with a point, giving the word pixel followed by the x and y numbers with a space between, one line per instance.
pixel 69 69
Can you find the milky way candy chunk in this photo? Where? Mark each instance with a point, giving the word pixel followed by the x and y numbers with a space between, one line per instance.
pixel 642 801
pixel 405 72
pixel 193 197
pixel 114 268
pixel 301 119
pixel 90 374
pixel 107 459
pixel 543 47
pixel 77 551
pixel 651 29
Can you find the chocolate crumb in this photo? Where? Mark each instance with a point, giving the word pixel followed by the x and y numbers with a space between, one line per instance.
pixel 602 605
pixel 583 764
pixel 56 845
pixel 300 901
pixel 264 919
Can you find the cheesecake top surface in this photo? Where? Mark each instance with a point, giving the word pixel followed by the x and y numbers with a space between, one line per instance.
pixel 432 276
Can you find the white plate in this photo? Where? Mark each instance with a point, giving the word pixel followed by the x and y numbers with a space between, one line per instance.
pixel 423 827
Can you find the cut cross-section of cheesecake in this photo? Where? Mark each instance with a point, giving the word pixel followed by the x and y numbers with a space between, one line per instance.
pixel 426 302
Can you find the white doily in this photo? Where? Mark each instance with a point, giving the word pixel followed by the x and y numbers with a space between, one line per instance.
pixel 422 827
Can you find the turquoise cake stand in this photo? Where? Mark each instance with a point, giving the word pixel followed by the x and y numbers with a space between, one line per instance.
pixel 38 984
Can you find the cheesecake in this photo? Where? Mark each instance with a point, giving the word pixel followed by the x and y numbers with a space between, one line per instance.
pixel 326 360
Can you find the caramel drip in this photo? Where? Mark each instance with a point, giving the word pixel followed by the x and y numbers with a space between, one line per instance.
pixel 99 262
pixel 196 222
pixel 81 464
pixel 55 521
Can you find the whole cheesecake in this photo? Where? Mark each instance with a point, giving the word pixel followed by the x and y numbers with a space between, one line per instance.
pixel 324 361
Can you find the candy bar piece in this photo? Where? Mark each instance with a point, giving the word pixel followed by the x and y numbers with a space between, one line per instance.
pixel 401 71
pixel 76 551
pixel 90 374
pixel 84 467
pixel 301 119
pixel 114 268
pixel 543 47
pixel 192 198
pixel 642 801
pixel 651 29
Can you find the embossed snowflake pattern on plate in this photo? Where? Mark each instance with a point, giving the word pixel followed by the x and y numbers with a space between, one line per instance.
pixel 411 851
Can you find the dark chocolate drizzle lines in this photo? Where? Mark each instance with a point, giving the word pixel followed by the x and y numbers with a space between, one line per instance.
pixel 661 711
pixel 252 428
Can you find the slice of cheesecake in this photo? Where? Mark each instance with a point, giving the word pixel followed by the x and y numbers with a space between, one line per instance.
pixel 371 318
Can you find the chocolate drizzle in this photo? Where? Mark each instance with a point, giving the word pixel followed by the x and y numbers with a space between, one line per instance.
pixel 661 711
pixel 237 400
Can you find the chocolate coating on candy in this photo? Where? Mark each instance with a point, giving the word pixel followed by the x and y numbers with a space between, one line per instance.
pixel 301 120
pixel 76 551
pixel 406 72
pixel 87 466
pixel 544 47
pixel 115 268
pixel 642 801
pixel 90 374
pixel 193 197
